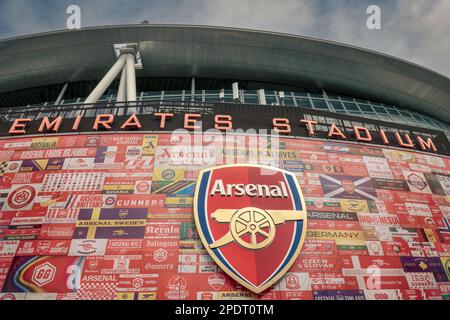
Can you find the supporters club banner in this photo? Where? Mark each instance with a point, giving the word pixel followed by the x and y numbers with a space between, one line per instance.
pixel 111 217
pixel 110 223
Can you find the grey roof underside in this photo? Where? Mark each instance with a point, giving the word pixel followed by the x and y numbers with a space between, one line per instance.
pixel 214 52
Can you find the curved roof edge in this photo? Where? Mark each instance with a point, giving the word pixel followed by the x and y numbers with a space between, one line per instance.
pixel 221 52
pixel 285 34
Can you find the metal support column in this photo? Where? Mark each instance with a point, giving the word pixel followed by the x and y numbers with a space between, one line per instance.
pixel 121 93
pixel 131 78
pixel 193 89
pixel 262 96
pixel 61 94
pixel 107 80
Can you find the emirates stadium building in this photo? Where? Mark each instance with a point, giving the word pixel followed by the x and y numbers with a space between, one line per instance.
pixel 110 138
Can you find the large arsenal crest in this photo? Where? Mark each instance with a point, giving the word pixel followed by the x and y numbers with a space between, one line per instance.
pixel 252 221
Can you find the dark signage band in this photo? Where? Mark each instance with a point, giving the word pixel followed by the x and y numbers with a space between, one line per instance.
pixel 287 121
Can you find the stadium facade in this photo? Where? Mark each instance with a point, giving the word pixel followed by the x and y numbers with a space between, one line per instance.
pixel 105 131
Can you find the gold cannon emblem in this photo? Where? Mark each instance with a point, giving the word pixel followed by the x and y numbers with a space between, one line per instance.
pixel 252 228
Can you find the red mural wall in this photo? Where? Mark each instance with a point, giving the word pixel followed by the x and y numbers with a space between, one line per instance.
pixel 109 216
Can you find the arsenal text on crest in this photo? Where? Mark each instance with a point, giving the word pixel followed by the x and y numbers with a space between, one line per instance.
pixel 252 190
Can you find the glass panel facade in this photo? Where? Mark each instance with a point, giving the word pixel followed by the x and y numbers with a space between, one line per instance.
pixel 329 102
pixel 303 102
pixel 320 104
pixel 271 99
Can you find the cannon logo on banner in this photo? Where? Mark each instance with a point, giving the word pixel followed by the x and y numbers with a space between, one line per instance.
pixel 251 220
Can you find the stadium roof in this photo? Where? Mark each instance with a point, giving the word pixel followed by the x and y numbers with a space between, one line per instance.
pixel 224 53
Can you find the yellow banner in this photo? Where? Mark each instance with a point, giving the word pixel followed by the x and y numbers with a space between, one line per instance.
pixel 118 187
pixel 43 143
pixel 430 235
pixel 446 263
pixel 149 144
pixel 235 295
pixel 257 153
pixel 341 237
pixel 124 296
pixel 147 296
pixel 131 295
pixel 348 205
pixel 180 201
pixel 168 174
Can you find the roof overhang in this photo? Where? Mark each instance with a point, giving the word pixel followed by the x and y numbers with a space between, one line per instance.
pixel 215 52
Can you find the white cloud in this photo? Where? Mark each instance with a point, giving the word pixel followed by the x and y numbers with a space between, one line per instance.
pixel 415 30
pixel 20 17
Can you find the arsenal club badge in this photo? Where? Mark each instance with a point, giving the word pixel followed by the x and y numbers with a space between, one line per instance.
pixel 251 220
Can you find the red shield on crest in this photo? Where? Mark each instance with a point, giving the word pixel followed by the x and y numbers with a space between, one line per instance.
pixel 251 220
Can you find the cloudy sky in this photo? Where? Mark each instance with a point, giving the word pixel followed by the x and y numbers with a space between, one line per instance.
pixel 415 30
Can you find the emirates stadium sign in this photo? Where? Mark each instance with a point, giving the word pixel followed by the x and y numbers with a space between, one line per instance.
pixel 232 121
pixel 251 220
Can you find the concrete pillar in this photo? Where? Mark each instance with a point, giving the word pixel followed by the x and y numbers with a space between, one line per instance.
pixel 61 94
pixel 193 88
pixel 131 78
pixel 104 84
pixel 121 93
